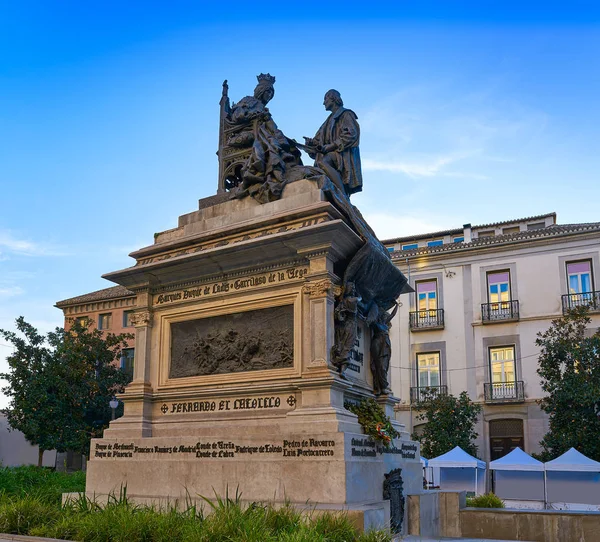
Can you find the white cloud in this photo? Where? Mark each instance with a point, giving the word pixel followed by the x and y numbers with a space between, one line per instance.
pixel 419 132
pixel 427 167
pixel 11 291
pixel 23 247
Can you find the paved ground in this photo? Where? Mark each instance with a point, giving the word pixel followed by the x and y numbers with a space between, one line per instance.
pixel 16 538
pixel 421 539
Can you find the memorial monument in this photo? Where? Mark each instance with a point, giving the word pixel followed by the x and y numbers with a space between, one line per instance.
pixel 258 318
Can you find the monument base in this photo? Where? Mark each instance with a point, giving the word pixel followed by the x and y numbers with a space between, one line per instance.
pixel 326 471
pixel 235 389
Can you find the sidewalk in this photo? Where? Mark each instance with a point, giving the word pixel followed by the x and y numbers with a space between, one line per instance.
pixel 412 538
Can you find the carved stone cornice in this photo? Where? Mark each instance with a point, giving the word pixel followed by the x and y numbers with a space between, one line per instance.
pixel 142 318
pixel 326 250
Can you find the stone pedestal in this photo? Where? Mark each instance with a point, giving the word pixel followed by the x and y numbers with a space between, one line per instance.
pixel 233 386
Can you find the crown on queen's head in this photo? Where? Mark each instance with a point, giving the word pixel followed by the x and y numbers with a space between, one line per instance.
pixel 266 78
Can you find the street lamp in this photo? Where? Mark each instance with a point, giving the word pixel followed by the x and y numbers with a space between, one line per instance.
pixel 113 403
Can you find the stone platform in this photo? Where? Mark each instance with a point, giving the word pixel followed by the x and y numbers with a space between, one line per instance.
pixel 234 388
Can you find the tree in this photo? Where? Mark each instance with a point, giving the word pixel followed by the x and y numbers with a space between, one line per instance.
pixel 450 423
pixel 60 385
pixel 569 367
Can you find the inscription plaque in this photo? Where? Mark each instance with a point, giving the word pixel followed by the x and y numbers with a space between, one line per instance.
pixel 310 448
pixel 233 343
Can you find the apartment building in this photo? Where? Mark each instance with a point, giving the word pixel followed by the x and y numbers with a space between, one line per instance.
pixel 482 294
pixel 110 310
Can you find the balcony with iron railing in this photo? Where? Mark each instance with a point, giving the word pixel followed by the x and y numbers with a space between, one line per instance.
pixel 501 311
pixel 504 392
pixel 586 299
pixel 426 320
pixel 420 394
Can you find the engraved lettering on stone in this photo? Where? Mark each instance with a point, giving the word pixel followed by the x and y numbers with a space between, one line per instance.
pixel 357 352
pixel 306 448
pixel 230 404
pixel 232 285
pixel 232 343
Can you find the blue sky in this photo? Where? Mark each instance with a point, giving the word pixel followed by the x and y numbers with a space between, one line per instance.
pixel 470 112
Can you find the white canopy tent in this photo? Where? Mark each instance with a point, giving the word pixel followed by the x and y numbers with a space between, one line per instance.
pixel 519 478
pixel 460 471
pixel 573 482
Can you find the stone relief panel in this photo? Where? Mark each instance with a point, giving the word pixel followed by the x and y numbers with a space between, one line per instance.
pixel 233 343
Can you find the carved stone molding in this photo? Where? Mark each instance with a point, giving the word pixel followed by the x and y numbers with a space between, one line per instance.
pixel 319 288
pixel 141 318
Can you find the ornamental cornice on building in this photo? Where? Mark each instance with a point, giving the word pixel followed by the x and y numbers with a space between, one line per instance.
pixel 105 294
pixel 550 232
pixel 457 231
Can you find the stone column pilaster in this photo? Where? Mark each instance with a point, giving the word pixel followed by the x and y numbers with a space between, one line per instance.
pixel 137 398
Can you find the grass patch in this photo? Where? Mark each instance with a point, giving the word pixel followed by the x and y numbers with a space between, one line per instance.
pixel 30 481
pixel 30 504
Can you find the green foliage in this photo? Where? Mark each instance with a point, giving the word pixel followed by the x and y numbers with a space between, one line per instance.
pixel 373 420
pixel 48 485
pixel 450 423
pixel 569 367
pixel 122 521
pixel 60 384
pixel 489 500
pixel 19 516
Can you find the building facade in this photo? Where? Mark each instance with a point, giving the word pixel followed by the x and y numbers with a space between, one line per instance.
pixel 110 310
pixel 482 294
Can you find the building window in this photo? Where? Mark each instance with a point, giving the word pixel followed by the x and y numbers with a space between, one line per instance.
pixel 83 321
pixel 536 226
pixel 390 249
pixel 127 318
pixel 427 295
pixel 459 240
pixel 579 277
pixel 500 305
pixel 436 243
pixel 127 361
pixel 413 246
pixel 488 233
pixel 510 230
pixel 498 286
pixel 502 367
pixel 104 321
pixel 428 367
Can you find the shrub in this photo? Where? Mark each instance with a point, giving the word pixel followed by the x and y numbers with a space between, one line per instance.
pixel 44 483
pixel 489 500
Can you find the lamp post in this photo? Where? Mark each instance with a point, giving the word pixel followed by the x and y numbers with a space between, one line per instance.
pixel 113 403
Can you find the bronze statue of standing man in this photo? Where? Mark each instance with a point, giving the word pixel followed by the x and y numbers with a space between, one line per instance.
pixel 335 146
pixel 381 350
